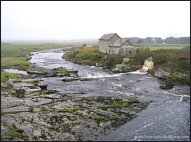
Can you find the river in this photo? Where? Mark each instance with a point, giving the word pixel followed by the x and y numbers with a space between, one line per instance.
pixel 166 118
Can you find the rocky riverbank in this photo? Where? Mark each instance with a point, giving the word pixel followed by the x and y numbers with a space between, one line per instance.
pixel 169 79
pixel 48 115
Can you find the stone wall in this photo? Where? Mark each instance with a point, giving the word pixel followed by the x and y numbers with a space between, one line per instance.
pixel 114 50
pixel 103 46
pixel 127 52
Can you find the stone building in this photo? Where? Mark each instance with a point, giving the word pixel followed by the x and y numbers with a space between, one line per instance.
pixel 113 44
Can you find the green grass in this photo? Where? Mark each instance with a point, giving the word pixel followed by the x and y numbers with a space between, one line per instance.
pixel 172 60
pixel 91 56
pixel 61 70
pixel 19 50
pixel 44 109
pixel 86 55
pixel 15 55
pixel 6 76
pixel 16 134
pixel 114 105
pixel 159 48
pixel 99 118
pixel 113 117
pixel 75 109
pixel 65 110
pixel 21 62
pixel 10 127
pixel 36 82
pixel 9 86
pixel 31 108
pixel 133 99
pixel 70 110
pixel 2 112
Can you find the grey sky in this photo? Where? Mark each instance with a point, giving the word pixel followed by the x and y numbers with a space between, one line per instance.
pixel 65 20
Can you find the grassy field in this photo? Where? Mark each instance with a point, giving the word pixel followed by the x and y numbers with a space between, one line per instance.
pixel 5 76
pixel 21 50
pixel 21 62
pixel 158 48
pixel 16 55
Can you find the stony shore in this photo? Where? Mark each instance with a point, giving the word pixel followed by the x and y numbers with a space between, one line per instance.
pixel 48 115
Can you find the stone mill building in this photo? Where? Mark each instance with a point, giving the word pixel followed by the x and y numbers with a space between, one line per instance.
pixel 113 44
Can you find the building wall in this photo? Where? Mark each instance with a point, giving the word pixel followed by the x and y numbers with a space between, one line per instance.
pixel 126 52
pixel 113 39
pixel 103 46
pixel 114 50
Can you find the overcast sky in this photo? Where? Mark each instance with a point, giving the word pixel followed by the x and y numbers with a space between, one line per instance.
pixel 65 20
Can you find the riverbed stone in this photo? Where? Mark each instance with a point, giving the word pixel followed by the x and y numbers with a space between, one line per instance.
pixel 125 60
pixel 76 124
pixel 116 70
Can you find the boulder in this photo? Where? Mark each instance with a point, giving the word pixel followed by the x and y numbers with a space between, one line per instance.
pixel 99 64
pixel 72 71
pixel 120 66
pixel 166 85
pixel 3 85
pixel 125 60
pixel 42 85
pixel 116 70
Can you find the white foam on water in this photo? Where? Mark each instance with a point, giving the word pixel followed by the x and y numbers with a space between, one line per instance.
pixel 102 75
pixel 137 72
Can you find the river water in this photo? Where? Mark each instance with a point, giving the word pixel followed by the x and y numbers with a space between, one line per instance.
pixel 166 118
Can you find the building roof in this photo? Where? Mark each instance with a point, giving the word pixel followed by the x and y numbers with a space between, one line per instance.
pixel 120 42
pixel 108 36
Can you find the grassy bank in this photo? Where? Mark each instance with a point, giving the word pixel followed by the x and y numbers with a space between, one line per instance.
pixel 5 76
pixel 86 55
pixel 91 56
pixel 159 48
pixel 16 55
pixel 172 60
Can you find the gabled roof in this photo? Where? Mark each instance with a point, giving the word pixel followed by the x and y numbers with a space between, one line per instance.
pixel 120 42
pixel 128 42
pixel 108 36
